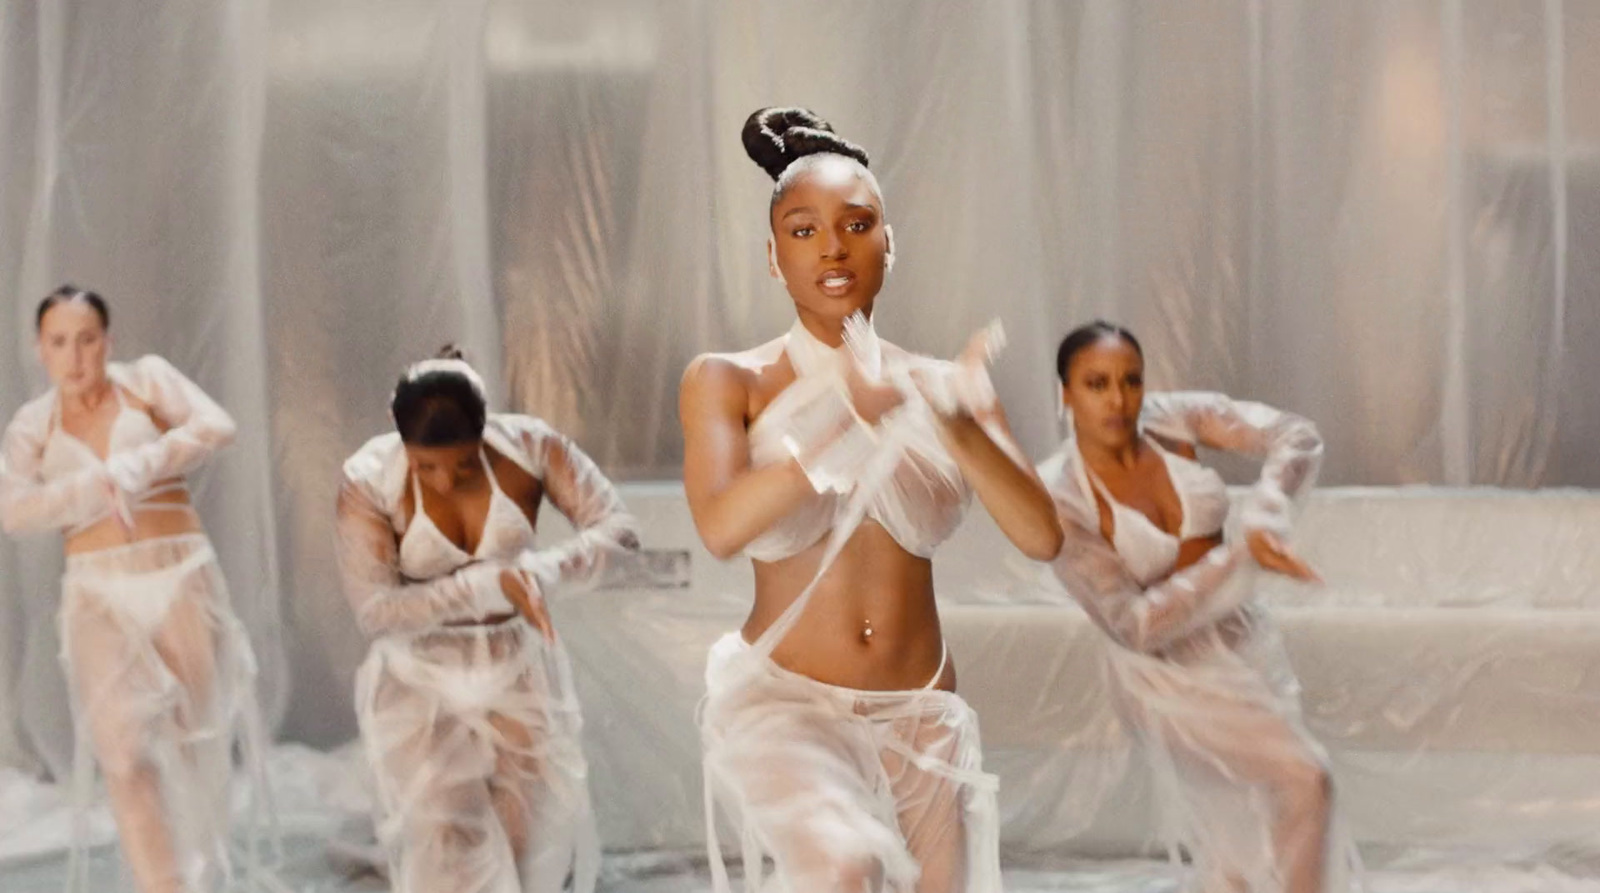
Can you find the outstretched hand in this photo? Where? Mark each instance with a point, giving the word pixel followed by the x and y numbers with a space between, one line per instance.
pixel 872 400
pixel 1272 554
pixel 984 345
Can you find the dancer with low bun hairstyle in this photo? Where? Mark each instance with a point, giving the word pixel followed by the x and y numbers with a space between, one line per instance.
pixel 465 701
pixel 1167 570
pixel 160 670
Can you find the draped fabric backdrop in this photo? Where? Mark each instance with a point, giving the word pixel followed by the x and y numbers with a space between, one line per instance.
pixel 1384 215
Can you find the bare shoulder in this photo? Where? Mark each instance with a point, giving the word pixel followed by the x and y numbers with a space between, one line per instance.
pixel 713 375
pixel 711 372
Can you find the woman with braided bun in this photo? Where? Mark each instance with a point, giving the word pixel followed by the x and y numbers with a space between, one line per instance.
pixel 837 462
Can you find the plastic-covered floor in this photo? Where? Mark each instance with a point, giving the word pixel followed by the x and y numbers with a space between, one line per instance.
pixel 309 868
pixel 317 821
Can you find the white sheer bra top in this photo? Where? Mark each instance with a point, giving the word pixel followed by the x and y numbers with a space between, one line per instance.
pixel 1149 552
pixel 64 453
pixel 426 553
pixel 1128 586
pixel 52 480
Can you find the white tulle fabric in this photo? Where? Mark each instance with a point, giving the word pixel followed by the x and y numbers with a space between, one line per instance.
pixel 473 732
pixel 846 790
pixel 1198 672
pixel 161 673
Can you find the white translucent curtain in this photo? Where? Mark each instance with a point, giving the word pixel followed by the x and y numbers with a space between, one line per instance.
pixel 131 150
pixel 1381 214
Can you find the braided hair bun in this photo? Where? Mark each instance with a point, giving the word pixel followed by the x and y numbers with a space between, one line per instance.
pixel 775 138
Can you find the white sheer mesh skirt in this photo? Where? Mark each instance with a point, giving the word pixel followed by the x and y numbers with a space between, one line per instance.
pixel 162 679
pixel 1242 787
pixel 473 735
pixel 845 790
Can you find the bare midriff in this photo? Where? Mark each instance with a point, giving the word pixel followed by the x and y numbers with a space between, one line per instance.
pixel 164 514
pixel 873 585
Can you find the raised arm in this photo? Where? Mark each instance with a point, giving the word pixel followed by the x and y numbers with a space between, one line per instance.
pixel 973 427
pixel 732 503
pixel 989 458
pixel 196 428
pixel 1288 445
pixel 575 486
pixel 383 601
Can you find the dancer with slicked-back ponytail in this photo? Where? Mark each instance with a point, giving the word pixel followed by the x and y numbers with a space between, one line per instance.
pixel 161 673
pixel 834 740
pixel 465 701
pixel 1165 568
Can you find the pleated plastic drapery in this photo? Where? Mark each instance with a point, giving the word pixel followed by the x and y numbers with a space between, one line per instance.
pixel 1374 213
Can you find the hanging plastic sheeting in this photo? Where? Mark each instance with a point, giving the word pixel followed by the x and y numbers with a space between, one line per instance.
pixel 131 158
pixel 1372 212
pixel 1362 210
